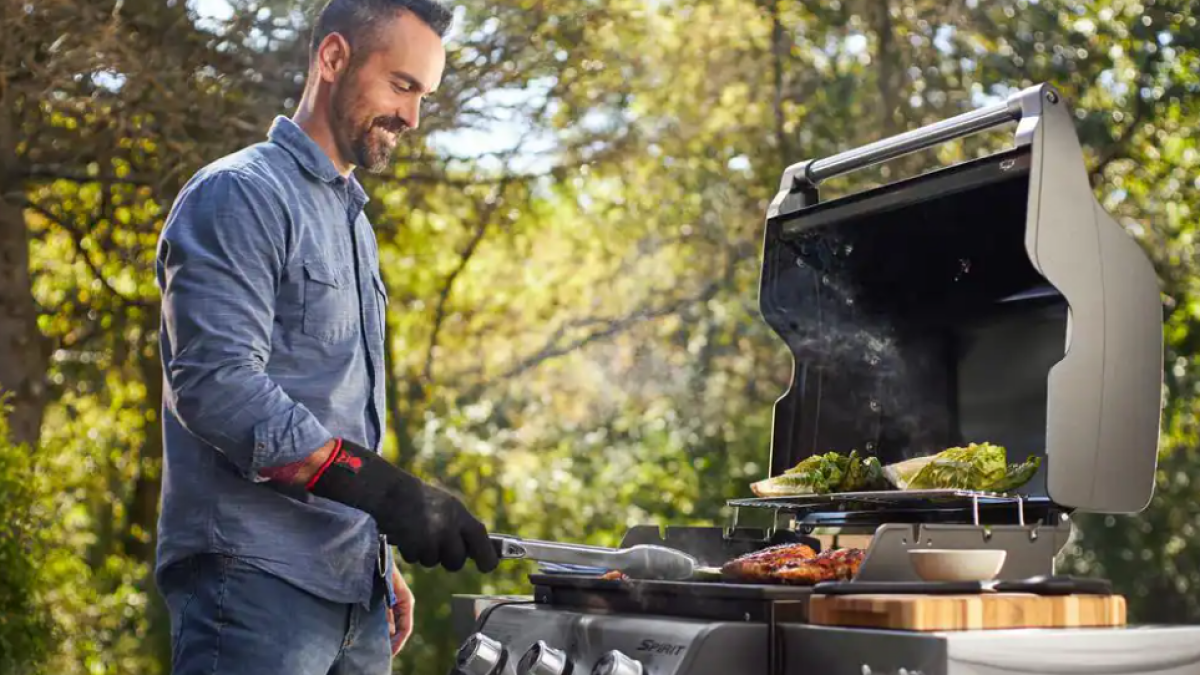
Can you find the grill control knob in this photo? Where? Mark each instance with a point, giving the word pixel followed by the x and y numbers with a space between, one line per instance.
pixel 542 659
pixel 616 663
pixel 480 655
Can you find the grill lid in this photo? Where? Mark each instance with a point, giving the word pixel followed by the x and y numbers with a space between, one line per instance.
pixel 992 301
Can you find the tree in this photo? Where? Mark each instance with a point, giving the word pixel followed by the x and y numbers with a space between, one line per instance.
pixel 111 108
pixel 25 625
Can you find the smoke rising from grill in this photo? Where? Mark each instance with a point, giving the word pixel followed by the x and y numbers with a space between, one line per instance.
pixel 881 390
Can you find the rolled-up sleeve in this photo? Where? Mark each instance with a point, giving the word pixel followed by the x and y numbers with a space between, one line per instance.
pixel 220 261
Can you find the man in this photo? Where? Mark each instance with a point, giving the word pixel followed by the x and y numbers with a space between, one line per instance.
pixel 277 511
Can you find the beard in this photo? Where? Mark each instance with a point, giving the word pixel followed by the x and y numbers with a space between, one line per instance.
pixel 365 140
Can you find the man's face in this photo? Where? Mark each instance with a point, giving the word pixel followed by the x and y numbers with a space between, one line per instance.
pixel 379 95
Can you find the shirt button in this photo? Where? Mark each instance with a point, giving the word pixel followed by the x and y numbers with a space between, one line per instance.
pixel 261 446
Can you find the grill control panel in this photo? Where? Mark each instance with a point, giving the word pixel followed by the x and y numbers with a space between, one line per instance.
pixel 538 640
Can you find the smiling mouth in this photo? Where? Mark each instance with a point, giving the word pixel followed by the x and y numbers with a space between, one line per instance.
pixel 393 126
pixel 384 138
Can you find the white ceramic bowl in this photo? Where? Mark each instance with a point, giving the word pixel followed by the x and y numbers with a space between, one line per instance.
pixel 939 564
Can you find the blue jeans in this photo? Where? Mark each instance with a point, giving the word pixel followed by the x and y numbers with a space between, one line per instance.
pixel 230 618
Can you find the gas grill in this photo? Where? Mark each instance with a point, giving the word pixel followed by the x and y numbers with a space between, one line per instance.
pixel 991 301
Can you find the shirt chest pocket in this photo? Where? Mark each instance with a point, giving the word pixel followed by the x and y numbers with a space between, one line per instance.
pixel 330 301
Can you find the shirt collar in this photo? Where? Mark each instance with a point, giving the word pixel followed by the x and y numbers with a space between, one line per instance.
pixel 287 134
pixel 357 193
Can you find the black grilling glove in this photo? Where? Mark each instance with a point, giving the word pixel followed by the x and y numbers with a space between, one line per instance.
pixel 427 525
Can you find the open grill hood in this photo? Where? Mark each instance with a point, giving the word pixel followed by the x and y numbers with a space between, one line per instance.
pixel 992 301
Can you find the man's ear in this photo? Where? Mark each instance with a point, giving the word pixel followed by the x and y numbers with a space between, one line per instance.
pixel 333 57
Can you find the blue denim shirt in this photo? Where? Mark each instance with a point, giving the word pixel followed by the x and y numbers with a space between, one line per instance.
pixel 272 344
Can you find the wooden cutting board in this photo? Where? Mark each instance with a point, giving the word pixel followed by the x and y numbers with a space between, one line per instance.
pixel 967 612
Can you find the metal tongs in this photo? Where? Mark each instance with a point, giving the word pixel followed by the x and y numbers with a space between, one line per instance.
pixel 637 562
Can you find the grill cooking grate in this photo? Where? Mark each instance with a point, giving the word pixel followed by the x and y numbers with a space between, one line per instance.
pixel 886 505
pixel 880 497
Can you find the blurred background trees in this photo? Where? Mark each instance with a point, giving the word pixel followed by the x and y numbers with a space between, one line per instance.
pixel 571 249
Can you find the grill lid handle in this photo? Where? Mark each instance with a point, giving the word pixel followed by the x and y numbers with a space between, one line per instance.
pixel 1012 109
pixel 912 141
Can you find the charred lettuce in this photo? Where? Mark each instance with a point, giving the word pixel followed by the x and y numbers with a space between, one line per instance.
pixel 978 466
pixel 824 474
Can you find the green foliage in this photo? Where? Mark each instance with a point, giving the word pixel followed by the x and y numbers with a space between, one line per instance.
pixel 1152 558
pixel 24 620
pixel 571 248
pixel 97 590
pixel 67 605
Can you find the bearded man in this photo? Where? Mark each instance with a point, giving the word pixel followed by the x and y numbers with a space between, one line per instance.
pixel 277 511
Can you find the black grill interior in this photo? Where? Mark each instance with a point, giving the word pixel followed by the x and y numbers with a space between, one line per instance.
pixel 916 319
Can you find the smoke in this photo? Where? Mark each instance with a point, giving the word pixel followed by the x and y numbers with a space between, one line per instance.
pixel 884 382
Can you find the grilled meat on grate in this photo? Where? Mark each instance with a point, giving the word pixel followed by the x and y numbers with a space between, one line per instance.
pixel 760 565
pixel 794 564
pixel 839 564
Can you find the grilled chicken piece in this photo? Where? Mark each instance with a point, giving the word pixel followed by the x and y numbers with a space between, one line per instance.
pixel 833 565
pixel 795 564
pixel 760 565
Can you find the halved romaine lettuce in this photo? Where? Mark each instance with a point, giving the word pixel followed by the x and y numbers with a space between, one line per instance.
pixel 978 466
pixel 823 474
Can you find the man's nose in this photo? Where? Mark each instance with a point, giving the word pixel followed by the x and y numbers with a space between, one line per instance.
pixel 410 112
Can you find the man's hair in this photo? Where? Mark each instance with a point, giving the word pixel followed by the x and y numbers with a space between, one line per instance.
pixel 357 20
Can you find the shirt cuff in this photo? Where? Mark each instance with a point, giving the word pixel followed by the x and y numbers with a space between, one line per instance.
pixel 284 439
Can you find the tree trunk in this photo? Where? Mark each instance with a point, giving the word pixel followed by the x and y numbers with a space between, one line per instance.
pixel 143 508
pixel 140 537
pixel 24 352
pixel 780 48
pixel 887 58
